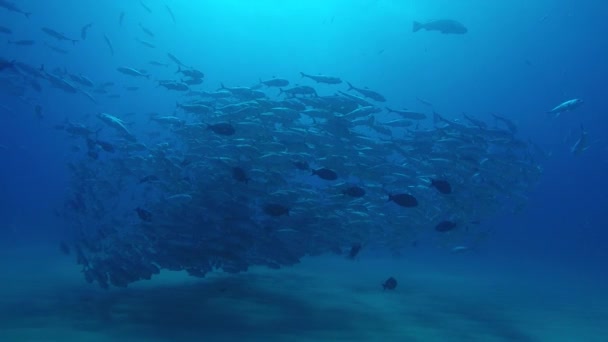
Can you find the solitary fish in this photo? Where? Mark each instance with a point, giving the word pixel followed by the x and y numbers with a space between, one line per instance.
pixel 445 226
pixel 442 186
pixel 325 173
pixel 566 106
pixel 445 26
pixel 11 7
pixel 275 210
pixel 57 35
pixel 367 93
pixel 322 78
pixel 404 200
pixel 390 284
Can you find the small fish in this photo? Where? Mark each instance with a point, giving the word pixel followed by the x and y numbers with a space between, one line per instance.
pixel 367 93
pixel 5 30
pixel 354 191
pixel 275 210
pixel 109 43
pixel 389 284
pixel 148 179
pixel 121 18
pixel 404 200
pixel 354 250
pixel 275 82
pixel 146 31
pixel 239 175
pixel 23 42
pixel 143 4
pixel 222 128
pixel 145 43
pixel 143 214
pixel 11 7
pixel 57 35
pixel 132 72
pixel 442 186
pixel 566 106
pixel 170 12
pixel 581 144
pixel 38 112
pixel 445 26
pixel 84 29
pixel 325 173
pixel 445 226
pixel 175 60
pixel 155 63
pixel 322 78
pixel 301 165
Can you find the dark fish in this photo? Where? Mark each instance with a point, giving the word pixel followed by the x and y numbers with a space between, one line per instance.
pixel 239 175
pixel 93 154
pixel 275 82
pixel 106 146
pixel 404 200
pixel 354 191
pixel 176 60
pixel 354 250
pixel 367 93
pixel 145 7
pixel 276 210
pixel 38 111
pixel 445 26
pixel 84 29
pixel 325 173
pixel 121 18
pixel 5 30
pixel 23 42
pixel 57 35
pixel 390 284
pixel 11 7
pixel 149 178
pixel 222 128
pixel 301 165
pixel 322 78
pixel 146 30
pixel 445 226
pixel 64 248
pixel 170 12
pixel 143 214
pixel 4 64
pixel 442 186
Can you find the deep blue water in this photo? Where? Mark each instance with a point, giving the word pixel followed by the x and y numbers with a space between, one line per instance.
pixel 518 59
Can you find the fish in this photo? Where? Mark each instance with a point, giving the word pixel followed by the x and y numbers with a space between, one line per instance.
pixel 566 106
pixel 143 4
pixel 4 64
pixel 325 174
pixel 109 44
pixel 354 191
pixel 322 78
pixel 23 42
pixel 301 165
pixel 146 31
pixel 189 72
pixel 367 93
pixel 581 145
pixel 176 60
pixel 56 49
pixel 275 210
pixel 408 114
pixel 12 7
pixel 445 226
pixel 144 214
pixel 299 90
pixel 404 200
pixel 38 111
pixel 442 186
pixel 170 13
pixel 84 29
pixel 5 30
pixel 57 35
pixel 445 26
pixel 145 43
pixel 132 72
pixel 354 251
pixel 223 128
pixel 239 175
pixel 510 124
pixel 173 85
pixel 389 284
pixel 155 63
pixel 275 82
pixel 121 17
pixel 148 179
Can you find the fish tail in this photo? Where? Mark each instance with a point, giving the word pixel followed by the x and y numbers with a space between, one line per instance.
pixel 350 86
pixel 389 110
pixel 27 14
pixel 303 74
pixel 222 86
pixel 281 91
pixel 416 26
pixel 179 69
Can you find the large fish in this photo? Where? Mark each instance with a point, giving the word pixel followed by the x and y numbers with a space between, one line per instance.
pixel 445 26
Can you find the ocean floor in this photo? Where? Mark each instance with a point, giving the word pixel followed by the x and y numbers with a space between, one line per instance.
pixel 43 297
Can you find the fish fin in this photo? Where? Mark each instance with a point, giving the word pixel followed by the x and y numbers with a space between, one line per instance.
pixel 350 86
pixel 281 91
pixel 416 26
pixel 179 69
pixel 303 74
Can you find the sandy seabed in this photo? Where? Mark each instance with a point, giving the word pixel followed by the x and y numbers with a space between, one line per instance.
pixel 43 297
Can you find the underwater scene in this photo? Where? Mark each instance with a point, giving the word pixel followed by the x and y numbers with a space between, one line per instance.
pixel 303 170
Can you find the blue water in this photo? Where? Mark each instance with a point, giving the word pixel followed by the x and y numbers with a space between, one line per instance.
pixel 539 275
